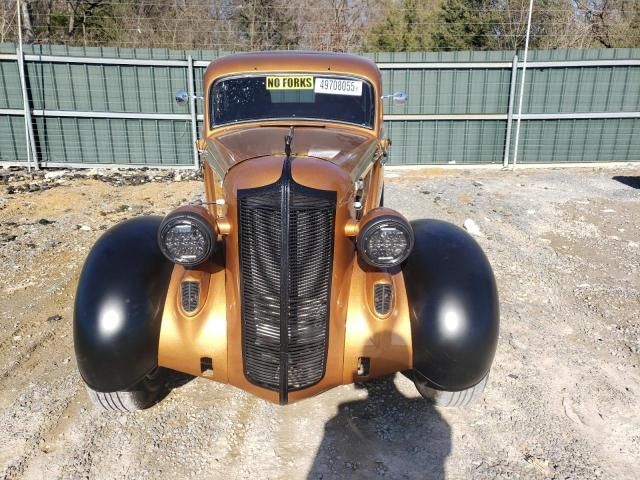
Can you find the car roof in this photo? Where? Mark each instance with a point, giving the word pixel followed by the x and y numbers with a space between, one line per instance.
pixel 295 62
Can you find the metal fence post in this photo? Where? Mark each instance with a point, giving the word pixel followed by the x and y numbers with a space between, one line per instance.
pixel 524 72
pixel 512 89
pixel 28 124
pixel 194 116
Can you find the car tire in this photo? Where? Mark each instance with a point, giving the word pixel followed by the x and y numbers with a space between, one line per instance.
pixel 443 398
pixel 143 395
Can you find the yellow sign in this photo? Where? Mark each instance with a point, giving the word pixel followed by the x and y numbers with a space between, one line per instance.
pixel 290 82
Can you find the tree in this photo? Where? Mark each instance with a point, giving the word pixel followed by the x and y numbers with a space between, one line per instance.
pixel 404 26
pixel 464 25
pixel 553 24
pixel 333 25
pixel 336 25
pixel 613 23
pixel 265 25
pixel 8 13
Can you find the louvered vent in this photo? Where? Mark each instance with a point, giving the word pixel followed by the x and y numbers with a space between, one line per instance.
pixel 190 296
pixel 383 296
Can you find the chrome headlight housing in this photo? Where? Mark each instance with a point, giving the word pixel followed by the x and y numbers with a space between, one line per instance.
pixel 385 241
pixel 185 237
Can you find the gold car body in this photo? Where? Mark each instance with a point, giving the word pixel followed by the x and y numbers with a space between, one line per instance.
pixel 250 155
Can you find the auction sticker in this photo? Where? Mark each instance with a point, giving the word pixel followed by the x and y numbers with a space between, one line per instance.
pixel 290 82
pixel 336 86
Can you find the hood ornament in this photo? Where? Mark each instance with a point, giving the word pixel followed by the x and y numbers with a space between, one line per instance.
pixel 288 139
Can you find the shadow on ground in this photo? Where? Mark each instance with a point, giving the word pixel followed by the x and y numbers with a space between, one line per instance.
pixel 386 434
pixel 633 182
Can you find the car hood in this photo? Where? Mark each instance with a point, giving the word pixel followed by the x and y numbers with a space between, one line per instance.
pixel 347 149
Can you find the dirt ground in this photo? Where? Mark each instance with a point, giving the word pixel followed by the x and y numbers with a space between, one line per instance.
pixel 563 399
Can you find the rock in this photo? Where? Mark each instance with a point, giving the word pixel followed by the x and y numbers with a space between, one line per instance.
pixel 54 318
pixel 477 183
pixel 55 174
pixel 5 237
pixel 472 227
pixel 84 228
pixel 44 221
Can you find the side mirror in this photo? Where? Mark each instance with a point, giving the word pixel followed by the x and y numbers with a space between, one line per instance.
pixel 400 98
pixel 182 98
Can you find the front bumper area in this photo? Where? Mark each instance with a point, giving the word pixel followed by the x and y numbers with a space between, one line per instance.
pixel 339 324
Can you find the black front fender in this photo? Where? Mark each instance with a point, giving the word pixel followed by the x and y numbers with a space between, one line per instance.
pixel 119 304
pixel 453 303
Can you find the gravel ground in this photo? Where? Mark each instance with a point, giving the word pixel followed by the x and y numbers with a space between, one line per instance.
pixel 563 400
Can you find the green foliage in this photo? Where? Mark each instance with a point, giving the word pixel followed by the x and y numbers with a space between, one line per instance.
pixel 339 25
pixel 75 21
pixel 463 25
pixel 404 27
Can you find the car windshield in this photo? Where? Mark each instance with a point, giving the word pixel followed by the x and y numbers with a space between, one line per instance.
pixel 273 97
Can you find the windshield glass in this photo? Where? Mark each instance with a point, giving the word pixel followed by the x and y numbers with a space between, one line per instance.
pixel 273 97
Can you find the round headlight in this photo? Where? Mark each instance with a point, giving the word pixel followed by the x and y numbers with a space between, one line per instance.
pixel 186 238
pixel 385 241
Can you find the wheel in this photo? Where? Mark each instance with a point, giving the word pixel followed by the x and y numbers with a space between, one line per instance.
pixel 442 398
pixel 143 395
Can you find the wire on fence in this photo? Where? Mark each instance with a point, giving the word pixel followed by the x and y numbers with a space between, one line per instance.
pixel 353 25
pixel 59 91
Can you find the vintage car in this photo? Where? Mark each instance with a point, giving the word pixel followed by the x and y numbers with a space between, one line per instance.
pixel 290 278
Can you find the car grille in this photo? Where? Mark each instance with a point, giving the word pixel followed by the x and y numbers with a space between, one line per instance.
pixel 286 254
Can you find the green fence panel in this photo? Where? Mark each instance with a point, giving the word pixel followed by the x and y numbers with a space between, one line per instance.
pixel 10 90
pixel 453 90
pixel 105 88
pixel 442 56
pixel 123 142
pixel 12 139
pixel 581 89
pixel 446 142
pixel 573 141
pixel 12 135
pixel 449 91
